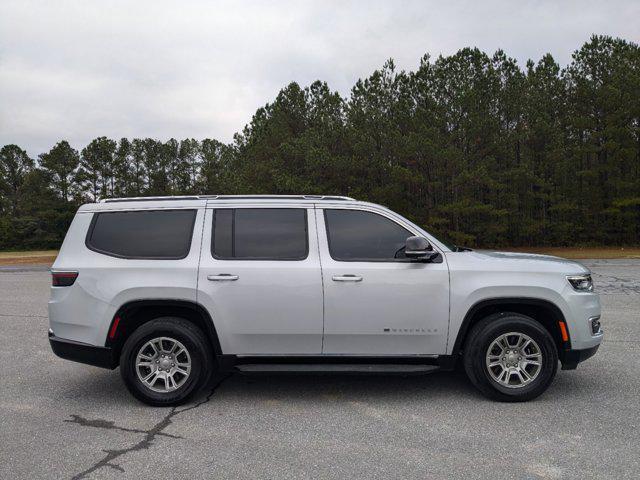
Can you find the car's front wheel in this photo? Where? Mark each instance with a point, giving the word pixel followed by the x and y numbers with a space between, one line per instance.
pixel 165 361
pixel 510 357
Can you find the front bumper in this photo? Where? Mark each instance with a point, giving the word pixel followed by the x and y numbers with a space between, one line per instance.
pixel 571 358
pixel 83 352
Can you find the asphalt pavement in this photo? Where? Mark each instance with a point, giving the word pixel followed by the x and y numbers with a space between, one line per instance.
pixel 60 419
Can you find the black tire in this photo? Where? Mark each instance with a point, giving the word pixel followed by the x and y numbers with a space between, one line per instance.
pixel 489 329
pixel 195 342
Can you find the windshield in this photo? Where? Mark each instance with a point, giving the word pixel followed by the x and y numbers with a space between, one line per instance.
pixel 453 247
pixel 446 242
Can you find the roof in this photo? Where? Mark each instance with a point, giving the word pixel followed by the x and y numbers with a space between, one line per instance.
pixel 198 201
pixel 228 197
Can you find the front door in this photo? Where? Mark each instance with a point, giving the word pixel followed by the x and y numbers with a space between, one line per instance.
pixel 376 301
pixel 259 278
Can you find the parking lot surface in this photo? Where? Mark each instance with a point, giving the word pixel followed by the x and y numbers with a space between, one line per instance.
pixel 60 419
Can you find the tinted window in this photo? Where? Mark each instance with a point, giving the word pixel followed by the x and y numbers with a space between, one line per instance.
pixel 157 234
pixel 260 233
pixel 222 233
pixel 365 236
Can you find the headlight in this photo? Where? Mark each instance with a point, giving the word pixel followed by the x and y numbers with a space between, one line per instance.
pixel 581 283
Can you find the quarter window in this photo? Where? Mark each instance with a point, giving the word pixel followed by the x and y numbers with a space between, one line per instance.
pixel 356 235
pixel 260 234
pixel 142 234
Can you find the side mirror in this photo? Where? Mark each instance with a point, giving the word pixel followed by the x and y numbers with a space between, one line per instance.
pixel 419 248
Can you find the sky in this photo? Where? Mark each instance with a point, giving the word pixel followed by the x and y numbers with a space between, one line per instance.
pixel 77 70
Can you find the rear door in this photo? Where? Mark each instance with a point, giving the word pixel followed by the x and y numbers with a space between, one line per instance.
pixel 260 279
pixel 378 302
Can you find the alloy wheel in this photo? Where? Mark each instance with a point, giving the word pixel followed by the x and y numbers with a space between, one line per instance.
pixel 163 364
pixel 514 360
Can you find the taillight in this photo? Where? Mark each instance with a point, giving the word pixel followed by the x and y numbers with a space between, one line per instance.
pixel 63 279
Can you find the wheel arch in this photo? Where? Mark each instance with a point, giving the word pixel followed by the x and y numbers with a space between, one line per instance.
pixel 543 311
pixel 131 315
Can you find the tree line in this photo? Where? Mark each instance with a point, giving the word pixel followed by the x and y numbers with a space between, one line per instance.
pixel 471 146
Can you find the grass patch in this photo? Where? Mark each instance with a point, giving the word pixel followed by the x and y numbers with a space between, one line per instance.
pixel 31 253
pixel 34 257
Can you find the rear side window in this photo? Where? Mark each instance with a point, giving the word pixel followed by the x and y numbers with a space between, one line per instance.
pixel 356 235
pixel 142 234
pixel 260 234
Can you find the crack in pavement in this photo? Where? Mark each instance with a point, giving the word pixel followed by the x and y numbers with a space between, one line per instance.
pixel 607 284
pixel 147 440
pixel 108 425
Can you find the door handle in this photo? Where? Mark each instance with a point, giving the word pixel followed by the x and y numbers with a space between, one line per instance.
pixel 223 277
pixel 347 278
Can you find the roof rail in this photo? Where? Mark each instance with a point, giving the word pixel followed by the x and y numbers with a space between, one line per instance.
pixel 147 199
pixel 225 197
pixel 276 197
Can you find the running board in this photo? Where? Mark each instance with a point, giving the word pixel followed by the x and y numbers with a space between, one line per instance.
pixel 329 368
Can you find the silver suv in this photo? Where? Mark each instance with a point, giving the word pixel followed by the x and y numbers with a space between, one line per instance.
pixel 173 289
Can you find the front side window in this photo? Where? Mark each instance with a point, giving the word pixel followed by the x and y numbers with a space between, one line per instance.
pixel 142 234
pixel 260 234
pixel 356 235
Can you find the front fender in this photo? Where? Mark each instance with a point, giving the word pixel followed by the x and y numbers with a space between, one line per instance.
pixel 465 299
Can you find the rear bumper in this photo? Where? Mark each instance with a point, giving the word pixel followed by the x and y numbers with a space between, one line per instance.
pixel 83 352
pixel 571 358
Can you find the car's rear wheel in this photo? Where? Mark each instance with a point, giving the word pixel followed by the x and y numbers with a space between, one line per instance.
pixel 510 357
pixel 165 361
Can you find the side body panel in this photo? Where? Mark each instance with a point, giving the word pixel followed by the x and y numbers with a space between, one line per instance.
pixel 476 276
pixel 295 307
pixel 83 311
pixel 273 307
pixel 398 308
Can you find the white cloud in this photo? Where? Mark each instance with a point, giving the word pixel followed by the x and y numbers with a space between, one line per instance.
pixel 80 69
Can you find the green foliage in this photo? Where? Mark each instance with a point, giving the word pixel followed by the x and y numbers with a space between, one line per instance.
pixel 470 146
pixel 15 165
pixel 95 174
pixel 61 164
